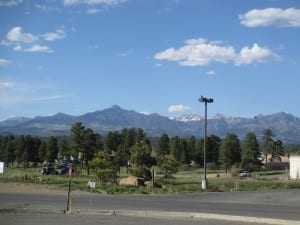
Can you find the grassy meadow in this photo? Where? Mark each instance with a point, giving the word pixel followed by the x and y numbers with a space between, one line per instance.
pixel 185 181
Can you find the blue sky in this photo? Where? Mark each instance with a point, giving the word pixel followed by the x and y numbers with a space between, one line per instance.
pixel 78 56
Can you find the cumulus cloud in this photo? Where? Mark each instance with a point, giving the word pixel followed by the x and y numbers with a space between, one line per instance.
pixel 10 3
pixel 197 52
pixel 93 2
pixel 27 42
pixel 38 48
pixel 200 52
pixel 255 54
pixel 271 17
pixel 4 62
pixel 53 36
pixel 16 35
pixel 178 108
pixel 6 85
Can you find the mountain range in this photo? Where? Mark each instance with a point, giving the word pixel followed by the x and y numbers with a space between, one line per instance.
pixel 285 126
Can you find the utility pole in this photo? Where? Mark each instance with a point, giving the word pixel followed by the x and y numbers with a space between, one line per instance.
pixel 205 100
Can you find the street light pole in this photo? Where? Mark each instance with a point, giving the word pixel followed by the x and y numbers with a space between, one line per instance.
pixel 205 100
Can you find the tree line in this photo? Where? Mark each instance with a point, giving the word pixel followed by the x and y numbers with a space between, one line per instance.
pixel 131 147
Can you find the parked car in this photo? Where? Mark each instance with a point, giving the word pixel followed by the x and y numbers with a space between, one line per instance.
pixel 245 173
pixel 59 170
pixel 63 169
pixel 48 169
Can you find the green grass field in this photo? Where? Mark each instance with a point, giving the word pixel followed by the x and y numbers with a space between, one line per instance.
pixel 182 182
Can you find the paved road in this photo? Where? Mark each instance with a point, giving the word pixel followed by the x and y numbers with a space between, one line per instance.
pixel 38 219
pixel 267 204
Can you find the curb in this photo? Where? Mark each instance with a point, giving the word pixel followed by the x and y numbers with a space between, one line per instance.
pixel 157 214
pixel 201 216
pixel 31 210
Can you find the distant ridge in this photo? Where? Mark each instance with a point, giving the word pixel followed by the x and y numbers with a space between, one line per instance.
pixel 285 126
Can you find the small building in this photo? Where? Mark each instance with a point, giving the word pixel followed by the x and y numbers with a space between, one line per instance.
pixel 295 166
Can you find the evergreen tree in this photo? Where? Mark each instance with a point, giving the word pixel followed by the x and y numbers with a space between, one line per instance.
pixel 112 141
pixel 250 152
pixel 141 136
pixel 230 152
pixel 277 151
pixel 8 150
pixel 168 165
pixel 128 138
pixel 103 167
pixel 213 148
pixel 141 160
pixel 267 144
pixel 198 156
pixel 163 145
pixel 191 148
pixel 52 149
pixel 43 152
pixel 183 151
pixel 32 149
pixel 90 147
pixel 64 150
pixel 77 139
pixel 176 147
pixel 20 148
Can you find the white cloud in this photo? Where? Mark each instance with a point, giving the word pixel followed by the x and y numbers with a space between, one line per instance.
pixel 200 52
pixel 39 48
pixel 16 35
pixel 18 48
pixel 4 62
pixel 10 3
pixel 271 17
pixel 5 43
pixel 52 97
pixel 6 85
pixel 45 7
pixel 178 108
pixel 20 41
pixel 93 2
pixel 211 72
pixel 126 53
pixel 255 54
pixel 53 36
pixel 92 11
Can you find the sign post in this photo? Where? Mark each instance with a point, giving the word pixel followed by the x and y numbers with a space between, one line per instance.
pixel 91 185
pixel 1 167
pixel 69 189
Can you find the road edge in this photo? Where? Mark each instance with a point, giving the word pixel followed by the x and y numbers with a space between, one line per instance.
pixel 156 214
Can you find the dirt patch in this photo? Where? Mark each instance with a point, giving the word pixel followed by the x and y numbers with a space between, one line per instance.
pixel 16 187
pixel 31 189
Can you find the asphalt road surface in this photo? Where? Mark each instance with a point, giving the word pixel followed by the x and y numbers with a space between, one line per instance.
pixel 41 219
pixel 284 205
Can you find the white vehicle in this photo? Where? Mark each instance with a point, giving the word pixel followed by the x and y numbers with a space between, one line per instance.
pixel 245 173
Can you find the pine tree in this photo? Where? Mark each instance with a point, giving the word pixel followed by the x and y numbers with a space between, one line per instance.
pixel 230 152
pixel 250 152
